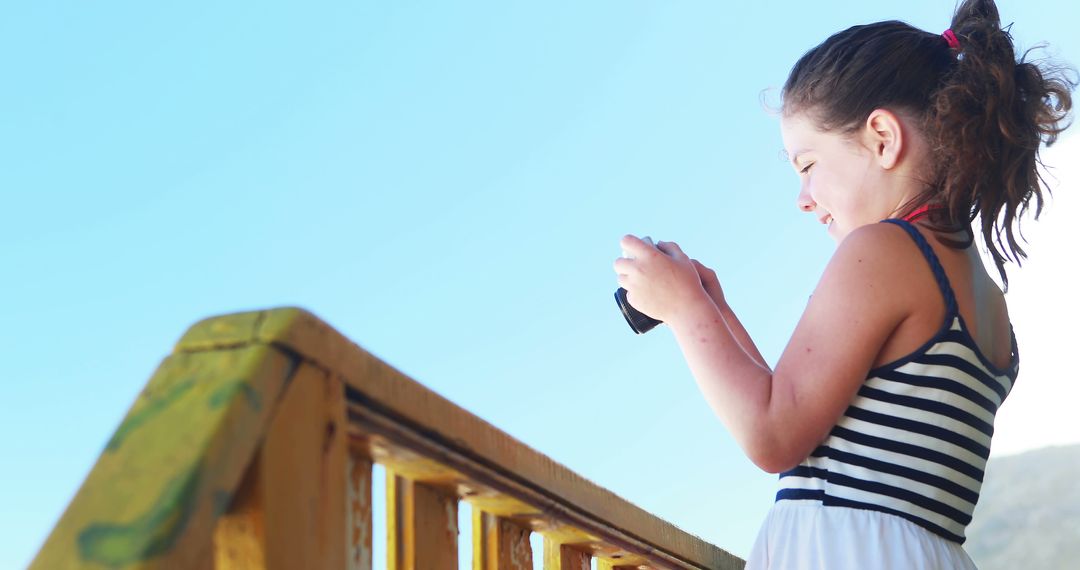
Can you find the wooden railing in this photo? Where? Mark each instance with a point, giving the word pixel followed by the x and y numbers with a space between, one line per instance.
pixel 253 447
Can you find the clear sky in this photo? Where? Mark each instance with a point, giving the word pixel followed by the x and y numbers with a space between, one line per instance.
pixel 445 184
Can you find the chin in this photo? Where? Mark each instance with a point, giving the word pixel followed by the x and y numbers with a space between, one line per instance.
pixel 837 233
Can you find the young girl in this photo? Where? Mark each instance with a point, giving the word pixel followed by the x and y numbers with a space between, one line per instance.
pixel 879 414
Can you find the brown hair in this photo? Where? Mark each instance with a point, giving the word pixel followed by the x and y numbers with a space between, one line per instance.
pixel 984 112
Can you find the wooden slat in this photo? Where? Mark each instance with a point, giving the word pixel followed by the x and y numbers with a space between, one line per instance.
pixel 422 529
pixel 499 544
pixel 359 555
pixel 153 497
pixel 559 556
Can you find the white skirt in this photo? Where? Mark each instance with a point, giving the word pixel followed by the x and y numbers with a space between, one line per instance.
pixel 805 535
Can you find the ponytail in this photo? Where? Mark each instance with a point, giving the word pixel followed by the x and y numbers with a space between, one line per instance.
pixel 987 122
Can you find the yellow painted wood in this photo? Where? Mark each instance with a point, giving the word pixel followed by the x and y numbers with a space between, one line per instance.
pixel 614 565
pixel 152 499
pixel 559 556
pixel 499 544
pixel 291 511
pixel 421 529
pixel 359 554
pixel 303 465
pixel 239 537
pixel 170 469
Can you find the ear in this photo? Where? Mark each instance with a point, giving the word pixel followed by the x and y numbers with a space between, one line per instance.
pixel 884 135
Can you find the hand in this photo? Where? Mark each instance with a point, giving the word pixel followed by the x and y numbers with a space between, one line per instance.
pixel 710 282
pixel 660 281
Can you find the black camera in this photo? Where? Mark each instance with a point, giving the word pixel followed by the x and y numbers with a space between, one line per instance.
pixel 640 322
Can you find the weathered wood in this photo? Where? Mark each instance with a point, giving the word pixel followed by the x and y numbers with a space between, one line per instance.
pixel 559 556
pixel 359 556
pixel 239 538
pixel 177 461
pixel 304 473
pixel 499 544
pixel 614 565
pixel 421 527
pixel 169 470
pixel 378 395
pixel 290 511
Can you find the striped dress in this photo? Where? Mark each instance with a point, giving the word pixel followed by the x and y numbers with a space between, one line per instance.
pixel 896 481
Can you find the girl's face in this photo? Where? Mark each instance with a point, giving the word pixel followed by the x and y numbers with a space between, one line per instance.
pixel 842 182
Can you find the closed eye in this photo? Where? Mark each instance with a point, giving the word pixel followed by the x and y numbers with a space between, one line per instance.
pixel 807 169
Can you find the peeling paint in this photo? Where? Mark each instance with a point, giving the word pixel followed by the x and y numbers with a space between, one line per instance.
pixel 520 548
pixel 359 514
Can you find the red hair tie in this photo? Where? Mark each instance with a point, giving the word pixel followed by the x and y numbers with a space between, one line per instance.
pixel 950 37
pixel 922 211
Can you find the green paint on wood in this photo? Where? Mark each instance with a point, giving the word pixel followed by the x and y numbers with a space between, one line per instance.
pixel 152 407
pixel 149 535
pixel 225 394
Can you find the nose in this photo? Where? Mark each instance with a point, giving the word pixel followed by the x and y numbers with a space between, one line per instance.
pixel 804 201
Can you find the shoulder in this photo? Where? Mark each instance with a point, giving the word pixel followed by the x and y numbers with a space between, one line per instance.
pixel 881 254
pixel 877 241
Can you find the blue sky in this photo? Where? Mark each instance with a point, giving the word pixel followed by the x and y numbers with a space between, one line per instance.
pixel 444 183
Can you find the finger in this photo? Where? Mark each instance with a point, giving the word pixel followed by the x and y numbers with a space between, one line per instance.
pixel 623 266
pixel 670 248
pixel 635 247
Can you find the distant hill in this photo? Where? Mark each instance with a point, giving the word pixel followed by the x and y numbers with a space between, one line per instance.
pixel 1028 515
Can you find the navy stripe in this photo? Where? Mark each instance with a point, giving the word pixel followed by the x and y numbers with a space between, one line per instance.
pixel 963 337
pixel 912 497
pixel 800 495
pixel 907 472
pixel 805 471
pixel 953 361
pixel 944 459
pixel 920 428
pixel 933 406
pixel 838 502
pixel 941 384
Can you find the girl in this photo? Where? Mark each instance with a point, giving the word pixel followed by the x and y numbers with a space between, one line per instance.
pixel 879 413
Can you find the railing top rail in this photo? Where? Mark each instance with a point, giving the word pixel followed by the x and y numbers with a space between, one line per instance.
pixel 472 442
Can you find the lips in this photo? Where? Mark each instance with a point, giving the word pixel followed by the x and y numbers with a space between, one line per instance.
pixel 826 219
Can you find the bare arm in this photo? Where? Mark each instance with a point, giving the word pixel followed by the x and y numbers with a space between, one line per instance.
pixel 778 417
pixel 742 337
pixel 712 286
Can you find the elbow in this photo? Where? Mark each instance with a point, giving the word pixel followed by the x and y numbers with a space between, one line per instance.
pixel 773 456
pixel 772 463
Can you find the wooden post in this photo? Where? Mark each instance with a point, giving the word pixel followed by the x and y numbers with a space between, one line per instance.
pixel 421 526
pixel 559 556
pixel 499 544
pixel 359 555
pixel 291 510
pixel 154 496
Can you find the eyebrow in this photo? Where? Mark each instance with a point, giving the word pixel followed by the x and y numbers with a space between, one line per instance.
pixel 794 159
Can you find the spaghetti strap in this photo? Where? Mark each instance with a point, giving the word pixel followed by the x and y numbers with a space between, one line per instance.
pixel 935 264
